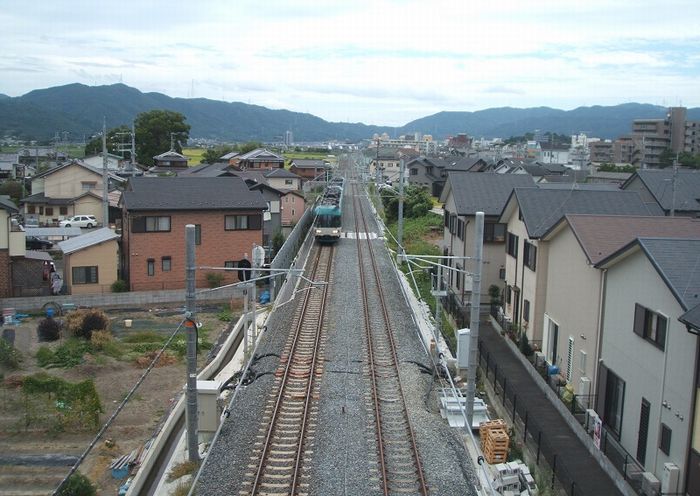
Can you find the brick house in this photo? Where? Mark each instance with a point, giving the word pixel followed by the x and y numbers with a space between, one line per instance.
pixel 293 207
pixel 227 216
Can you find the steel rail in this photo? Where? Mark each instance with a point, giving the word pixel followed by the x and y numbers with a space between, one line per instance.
pixel 284 381
pixel 392 346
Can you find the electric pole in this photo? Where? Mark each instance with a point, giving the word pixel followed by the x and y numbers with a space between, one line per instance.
pixel 474 315
pixel 105 176
pixel 399 231
pixel 191 329
pixel 674 177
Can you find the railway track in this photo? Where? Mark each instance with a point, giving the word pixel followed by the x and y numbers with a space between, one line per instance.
pixel 400 469
pixel 286 434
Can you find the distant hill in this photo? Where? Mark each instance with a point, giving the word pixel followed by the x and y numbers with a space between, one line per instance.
pixel 3 95
pixel 79 109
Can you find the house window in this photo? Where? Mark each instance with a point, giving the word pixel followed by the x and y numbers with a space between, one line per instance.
pixel 88 185
pixel 665 441
pixel 460 229
pixel 41 210
pixel 242 222
pixel 508 294
pixel 62 210
pixel 151 267
pixel 165 264
pixel 158 224
pixel 293 213
pixel 614 400
pixel 526 310
pixel 31 209
pixel 494 233
pixel 230 264
pixel 447 218
pixel 512 245
pixel 414 172
pixel 84 275
pixel 49 210
pixel 650 326
pixel 288 182
pixel 530 255
pixel 458 276
pixel 198 234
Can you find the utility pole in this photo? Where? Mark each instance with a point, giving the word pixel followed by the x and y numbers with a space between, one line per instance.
pixel 105 176
pixel 376 166
pixel 674 177
pixel 399 232
pixel 191 328
pixel 474 315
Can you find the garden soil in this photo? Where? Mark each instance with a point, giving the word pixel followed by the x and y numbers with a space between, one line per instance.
pixel 30 461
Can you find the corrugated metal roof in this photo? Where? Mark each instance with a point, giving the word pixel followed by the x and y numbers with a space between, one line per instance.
pixel 53 231
pixel 86 240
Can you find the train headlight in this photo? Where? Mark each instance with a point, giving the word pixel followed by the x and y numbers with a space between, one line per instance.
pixel 334 231
pixel 318 231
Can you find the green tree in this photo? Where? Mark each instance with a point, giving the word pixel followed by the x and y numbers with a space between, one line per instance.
pixel 153 133
pixel 417 202
pixel 13 189
pixel 114 137
pixel 212 155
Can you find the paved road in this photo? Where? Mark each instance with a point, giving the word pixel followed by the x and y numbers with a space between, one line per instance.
pixel 590 478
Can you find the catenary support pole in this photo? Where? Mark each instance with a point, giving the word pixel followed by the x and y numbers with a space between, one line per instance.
pixel 105 176
pixel 191 329
pixel 399 231
pixel 474 314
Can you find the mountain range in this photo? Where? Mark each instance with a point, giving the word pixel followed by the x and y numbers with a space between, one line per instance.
pixel 79 110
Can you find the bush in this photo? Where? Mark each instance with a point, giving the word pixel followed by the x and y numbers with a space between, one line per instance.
pixel 44 356
pixel 82 323
pixel 78 485
pixel 100 339
pixel 214 279
pixel 525 347
pixel 120 286
pixel 48 329
pixel 9 356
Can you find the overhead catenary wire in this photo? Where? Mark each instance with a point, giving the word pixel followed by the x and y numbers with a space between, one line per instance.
pixel 116 412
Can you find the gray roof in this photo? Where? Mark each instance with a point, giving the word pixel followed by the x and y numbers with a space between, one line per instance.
pixel 281 173
pixel 86 240
pixel 484 191
pixel 171 155
pixel 7 204
pixel 692 317
pixel 309 163
pixel 541 208
pixel 678 263
pixel 191 193
pixel 658 182
pixel 216 169
pixel 260 154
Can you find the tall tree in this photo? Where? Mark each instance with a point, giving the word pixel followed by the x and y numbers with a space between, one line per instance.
pixel 115 136
pixel 154 130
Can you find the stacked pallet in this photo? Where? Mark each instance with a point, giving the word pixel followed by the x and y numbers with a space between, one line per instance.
pixel 494 440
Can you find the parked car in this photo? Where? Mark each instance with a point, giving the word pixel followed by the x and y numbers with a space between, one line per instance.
pixel 34 243
pixel 88 221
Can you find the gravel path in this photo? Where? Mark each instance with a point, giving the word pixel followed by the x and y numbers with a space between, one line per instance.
pixel 343 458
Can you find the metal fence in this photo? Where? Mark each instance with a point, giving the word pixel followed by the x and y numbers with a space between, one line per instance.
pixel 286 255
pixel 534 435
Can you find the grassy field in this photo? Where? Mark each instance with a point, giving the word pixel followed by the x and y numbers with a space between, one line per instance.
pixel 194 154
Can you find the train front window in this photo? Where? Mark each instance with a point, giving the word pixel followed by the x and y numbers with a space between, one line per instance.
pixel 328 220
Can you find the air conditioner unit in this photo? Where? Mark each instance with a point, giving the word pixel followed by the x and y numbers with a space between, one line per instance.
pixel 591 417
pixel 650 484
pixel 584 391
pixel 669 480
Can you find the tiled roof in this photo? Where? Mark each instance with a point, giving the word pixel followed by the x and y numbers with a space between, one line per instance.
pixel 42 198
pixel 678 263
pixel 170 155
pixel 308 163
pixel 602 235
pixel 692 317
pixel 542 208
pixel 484 191
pixel 260 154
pixel 207 170
pixel 281 173
pixel 191 193
pixel 86 240
pixel 7 204
pixel 659 184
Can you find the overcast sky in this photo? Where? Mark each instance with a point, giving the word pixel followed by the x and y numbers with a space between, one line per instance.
pixel 375 61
